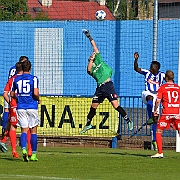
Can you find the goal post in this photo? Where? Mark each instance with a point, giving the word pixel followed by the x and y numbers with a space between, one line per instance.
pixel 177 134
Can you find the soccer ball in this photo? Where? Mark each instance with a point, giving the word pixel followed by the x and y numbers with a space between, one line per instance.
pixel 100 15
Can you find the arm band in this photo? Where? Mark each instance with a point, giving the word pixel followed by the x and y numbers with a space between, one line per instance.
pixel 90 38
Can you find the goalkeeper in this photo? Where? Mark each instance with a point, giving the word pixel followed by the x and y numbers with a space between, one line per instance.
pixel 102 73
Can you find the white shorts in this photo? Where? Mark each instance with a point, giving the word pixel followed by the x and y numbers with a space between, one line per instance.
pixel 28 118
pixel 148 93
pixel 6 105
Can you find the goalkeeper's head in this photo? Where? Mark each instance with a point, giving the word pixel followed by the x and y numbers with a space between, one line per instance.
pixel 155 66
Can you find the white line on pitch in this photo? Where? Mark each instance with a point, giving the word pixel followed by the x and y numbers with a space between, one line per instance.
pixel 8 176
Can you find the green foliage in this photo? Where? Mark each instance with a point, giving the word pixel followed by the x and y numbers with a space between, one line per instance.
pixel 121 11
pixel 14 10
pixel 132 14
pixel 129 9
pixel 17 10
pixel 41 16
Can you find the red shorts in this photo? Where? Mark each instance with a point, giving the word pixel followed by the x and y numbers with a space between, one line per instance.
pixel 13 116
pixel 166 121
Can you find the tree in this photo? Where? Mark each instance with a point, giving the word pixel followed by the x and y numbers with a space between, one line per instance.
pixel 130 9
pixel 14 10
pixel 41 16
pixel 118 8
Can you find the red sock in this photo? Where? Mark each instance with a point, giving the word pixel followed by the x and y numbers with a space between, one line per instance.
pixel 159 142
pixel 12 135
pixel 29 142
pixel 5 137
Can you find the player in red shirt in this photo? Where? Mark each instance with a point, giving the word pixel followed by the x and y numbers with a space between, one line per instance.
pixel 169 96
pixel 5 118
pixel 12 112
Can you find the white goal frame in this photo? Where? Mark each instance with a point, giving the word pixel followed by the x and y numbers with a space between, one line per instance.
pixel 177 134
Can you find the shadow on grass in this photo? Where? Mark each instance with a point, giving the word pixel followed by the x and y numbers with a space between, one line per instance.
pixel 11 159
pixel 60 152
pixel 126 154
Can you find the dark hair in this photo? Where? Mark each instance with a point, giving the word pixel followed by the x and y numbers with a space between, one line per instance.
pixel 19 66
pixel 169 74
pixel 26 66
pixel 156 63
pixel 23 58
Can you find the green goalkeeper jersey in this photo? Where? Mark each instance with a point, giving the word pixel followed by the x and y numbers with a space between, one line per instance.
pixel 100 70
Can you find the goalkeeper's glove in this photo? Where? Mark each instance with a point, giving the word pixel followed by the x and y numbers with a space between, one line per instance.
pixel 87 33
pixel 136 55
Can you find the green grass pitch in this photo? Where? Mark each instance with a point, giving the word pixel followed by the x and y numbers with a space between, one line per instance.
pixel 59 163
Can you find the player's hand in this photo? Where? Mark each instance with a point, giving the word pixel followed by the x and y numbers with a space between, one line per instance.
pixel 86 32
pixel 155 113
pixel 136 55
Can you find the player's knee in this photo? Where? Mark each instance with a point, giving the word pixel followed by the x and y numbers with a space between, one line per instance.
pixel 155 119
pixel 159 131
pixel 6 110
pixel 149 98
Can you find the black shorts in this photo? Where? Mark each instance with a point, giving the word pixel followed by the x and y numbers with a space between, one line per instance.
pixel 105 90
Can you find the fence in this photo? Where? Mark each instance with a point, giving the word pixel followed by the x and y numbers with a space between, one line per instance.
pixel 52 39
pixel 66 116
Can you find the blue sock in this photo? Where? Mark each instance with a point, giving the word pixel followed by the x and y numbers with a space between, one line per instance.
pixel 5 119
pixel 34 143
pixel 149 108
pixel 23 140
pixel 154 127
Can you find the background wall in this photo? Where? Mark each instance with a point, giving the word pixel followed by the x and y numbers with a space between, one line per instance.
pixel 68 49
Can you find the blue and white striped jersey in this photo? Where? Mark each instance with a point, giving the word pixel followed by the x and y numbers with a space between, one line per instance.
pixel 12 72
pixel 152 81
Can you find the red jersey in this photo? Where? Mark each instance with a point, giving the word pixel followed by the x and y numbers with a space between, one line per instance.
pixel 169 94
pixel 8 88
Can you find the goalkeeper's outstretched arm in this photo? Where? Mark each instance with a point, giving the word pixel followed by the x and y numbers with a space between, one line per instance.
pixel 95 48
pixel 87 33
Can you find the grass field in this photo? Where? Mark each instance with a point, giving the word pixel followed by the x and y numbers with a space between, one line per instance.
pixel 57 163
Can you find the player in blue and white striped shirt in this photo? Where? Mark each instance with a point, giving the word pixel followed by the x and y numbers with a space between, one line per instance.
pixel 153 80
